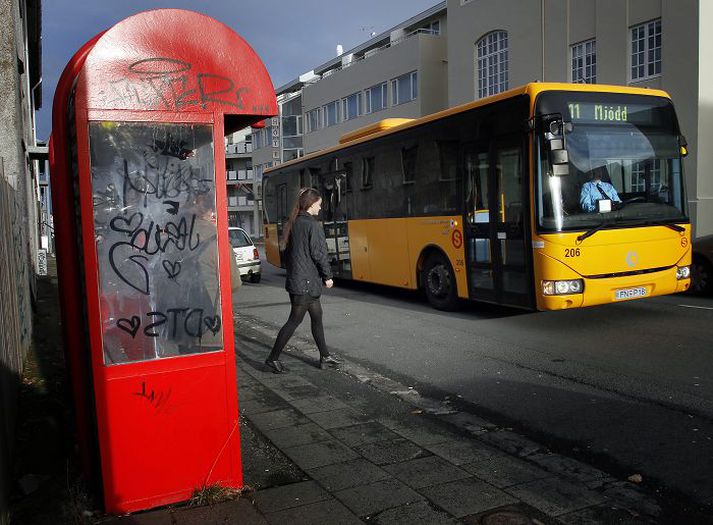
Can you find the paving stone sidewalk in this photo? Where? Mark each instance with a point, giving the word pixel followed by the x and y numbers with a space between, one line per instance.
pixel 375 456
pixel 370 452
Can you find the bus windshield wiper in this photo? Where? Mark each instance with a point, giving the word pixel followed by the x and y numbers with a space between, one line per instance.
pixel 674 227
pixel 591 232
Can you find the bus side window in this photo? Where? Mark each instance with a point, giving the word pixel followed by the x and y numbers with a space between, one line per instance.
pixel 448 179
pixel 314 177
pixel 367 172
pixel 476 175
pixel 282 202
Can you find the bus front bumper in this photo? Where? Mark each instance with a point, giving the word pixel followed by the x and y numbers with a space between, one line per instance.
pixel 617 289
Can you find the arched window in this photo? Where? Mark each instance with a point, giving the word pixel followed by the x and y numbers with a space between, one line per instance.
pixel 492 63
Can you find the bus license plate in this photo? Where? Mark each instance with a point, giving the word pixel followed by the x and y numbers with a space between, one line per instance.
pixel 629 293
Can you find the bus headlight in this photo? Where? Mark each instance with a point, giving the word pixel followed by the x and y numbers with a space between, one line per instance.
pixel 683 272
pixel 562 287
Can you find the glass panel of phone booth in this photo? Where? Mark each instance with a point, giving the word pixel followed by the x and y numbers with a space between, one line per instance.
pixel 156 239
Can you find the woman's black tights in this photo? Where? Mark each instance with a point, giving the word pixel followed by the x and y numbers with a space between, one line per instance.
pixel 300 306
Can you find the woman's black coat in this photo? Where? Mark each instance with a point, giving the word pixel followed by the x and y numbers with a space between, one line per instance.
pixel 306 257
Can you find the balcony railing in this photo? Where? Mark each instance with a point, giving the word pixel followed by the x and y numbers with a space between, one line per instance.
pixel 375 51
pixel 240 148
pixel 237 201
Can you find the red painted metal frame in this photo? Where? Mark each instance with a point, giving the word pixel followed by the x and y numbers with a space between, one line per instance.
pixel 152 68
pixel 70 292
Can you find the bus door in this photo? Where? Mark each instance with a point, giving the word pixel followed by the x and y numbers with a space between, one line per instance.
pixel 478 225
pixel 510 189
pixel 494 219
pixel 334 212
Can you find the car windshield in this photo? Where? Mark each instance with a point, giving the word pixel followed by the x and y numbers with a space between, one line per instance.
pixel 239 239
pixel 624 149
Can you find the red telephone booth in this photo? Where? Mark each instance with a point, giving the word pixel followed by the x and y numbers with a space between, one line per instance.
pixel 139 191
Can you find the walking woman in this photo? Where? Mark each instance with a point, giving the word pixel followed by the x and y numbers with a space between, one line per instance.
pixel 307 268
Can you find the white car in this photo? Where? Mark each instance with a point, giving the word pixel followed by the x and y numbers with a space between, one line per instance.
pixel 246 254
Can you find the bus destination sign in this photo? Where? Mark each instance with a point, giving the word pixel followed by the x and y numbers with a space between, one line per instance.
pixel 595 113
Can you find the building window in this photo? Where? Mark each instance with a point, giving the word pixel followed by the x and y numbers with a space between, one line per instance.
pixel 375 98
pixel 291 154
pixel 646 50
pixel 584 62
pixel 492 63
pixel 292 126
pixel 638 176
pixel 404 88
pixel 314 120
pixel 367 172
pixel 331 114
pixel 262 137
pixel 351 106
pixel 433 28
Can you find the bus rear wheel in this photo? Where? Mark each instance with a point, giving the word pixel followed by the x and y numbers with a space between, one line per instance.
pixel 439 282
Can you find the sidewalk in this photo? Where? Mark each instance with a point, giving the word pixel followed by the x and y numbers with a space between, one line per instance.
pixel 360 448
pixel 331 447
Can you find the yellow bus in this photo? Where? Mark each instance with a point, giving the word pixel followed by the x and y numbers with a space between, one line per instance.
pixel 548 196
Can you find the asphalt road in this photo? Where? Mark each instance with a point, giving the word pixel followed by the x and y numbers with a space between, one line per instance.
pixel 626 387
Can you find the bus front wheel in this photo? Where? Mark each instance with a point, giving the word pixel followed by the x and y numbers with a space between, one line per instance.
pixel 439 282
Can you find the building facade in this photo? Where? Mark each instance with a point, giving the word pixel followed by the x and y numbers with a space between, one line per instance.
pixel 402 73
pixel 462 50
pixel 20 75
pixel 243 209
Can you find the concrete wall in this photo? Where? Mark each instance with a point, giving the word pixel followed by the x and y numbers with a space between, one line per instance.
pixel 18 205
pixel 702 185
pixel 686 48
pixel 470 22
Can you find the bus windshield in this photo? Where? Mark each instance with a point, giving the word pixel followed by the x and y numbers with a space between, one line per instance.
pixel 623 150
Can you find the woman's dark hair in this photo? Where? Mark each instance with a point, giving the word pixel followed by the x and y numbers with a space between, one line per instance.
pixel 306 197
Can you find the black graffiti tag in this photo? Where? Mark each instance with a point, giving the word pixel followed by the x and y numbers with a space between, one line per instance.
pixel 172 268
pixel 172 84
pixel 163 178
pixel 149 240
pixel 212 323
pixel 174 323
pixel 150 395
pixel 130 326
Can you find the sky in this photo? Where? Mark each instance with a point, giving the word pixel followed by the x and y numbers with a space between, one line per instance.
pixel 290 36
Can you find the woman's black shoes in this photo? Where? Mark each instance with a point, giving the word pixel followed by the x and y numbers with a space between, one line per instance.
pixel 330 360
pixel 275 366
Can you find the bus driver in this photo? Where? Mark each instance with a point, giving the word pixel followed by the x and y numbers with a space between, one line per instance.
pixel 596 190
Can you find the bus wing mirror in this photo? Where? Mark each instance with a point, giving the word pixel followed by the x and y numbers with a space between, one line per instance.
pixel 558 155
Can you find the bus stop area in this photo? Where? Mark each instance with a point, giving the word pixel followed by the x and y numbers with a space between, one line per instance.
pixel 326 446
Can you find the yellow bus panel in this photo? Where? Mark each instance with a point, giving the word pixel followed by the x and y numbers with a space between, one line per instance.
pixel 272 245
pixel 359 250
pixel 379 251
pixel 390 251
